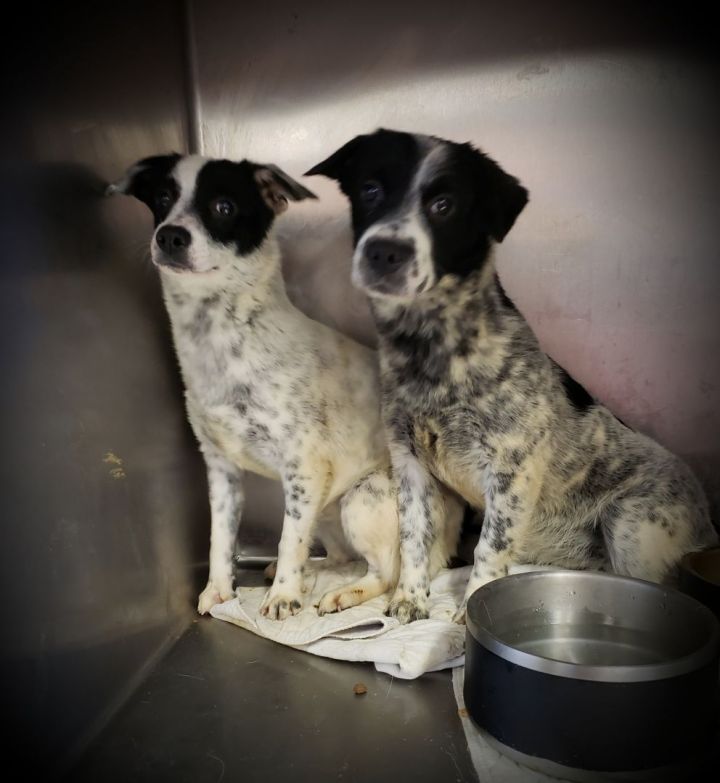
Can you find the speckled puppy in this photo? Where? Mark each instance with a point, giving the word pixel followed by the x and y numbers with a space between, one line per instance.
pixel 269 390
pixel 469 397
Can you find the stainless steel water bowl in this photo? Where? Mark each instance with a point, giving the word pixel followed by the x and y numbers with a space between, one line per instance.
pixel 592 671
pixel 593 626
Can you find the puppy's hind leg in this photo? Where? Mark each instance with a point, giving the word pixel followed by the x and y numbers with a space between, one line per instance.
pixel 646 539
pixel 370 522
pixel 330 534
pixel 447 512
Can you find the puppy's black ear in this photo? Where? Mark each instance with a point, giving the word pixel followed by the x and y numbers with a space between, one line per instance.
pixel 277 187
pixel 502 195
pixel 511 200
pixel 143 178
pixel 335 166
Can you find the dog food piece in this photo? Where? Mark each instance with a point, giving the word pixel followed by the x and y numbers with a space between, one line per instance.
pixel 359 689
pixel 463 713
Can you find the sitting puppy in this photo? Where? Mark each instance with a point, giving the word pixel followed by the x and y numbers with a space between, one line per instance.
pixel 269 390
pixel 470 398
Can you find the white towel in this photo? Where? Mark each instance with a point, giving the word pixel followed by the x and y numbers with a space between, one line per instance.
pixel 362 633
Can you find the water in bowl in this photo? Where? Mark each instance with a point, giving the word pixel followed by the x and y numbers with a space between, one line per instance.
pixel 590 644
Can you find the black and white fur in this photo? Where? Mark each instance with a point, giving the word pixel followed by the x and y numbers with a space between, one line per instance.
pixel 269 390
pixel 470 398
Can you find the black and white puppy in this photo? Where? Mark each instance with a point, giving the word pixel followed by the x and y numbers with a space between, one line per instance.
pixel 470 398
pixel 269 390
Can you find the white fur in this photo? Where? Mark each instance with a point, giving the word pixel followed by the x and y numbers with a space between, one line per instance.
pixel 273 392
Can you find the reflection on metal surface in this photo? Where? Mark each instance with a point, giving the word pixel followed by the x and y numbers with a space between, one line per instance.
pixel 103 492
pixel 192 87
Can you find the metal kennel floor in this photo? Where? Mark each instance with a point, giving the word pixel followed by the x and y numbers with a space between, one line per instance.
pixel 225 705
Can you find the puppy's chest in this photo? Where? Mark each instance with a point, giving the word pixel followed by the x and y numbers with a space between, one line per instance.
pixel 243 431
pixel 230 409
pixel 451 454
pixel 250 442
pixel 441 420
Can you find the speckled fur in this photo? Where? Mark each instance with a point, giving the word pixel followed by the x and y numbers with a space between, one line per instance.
pixel 269 390
pixel 469 398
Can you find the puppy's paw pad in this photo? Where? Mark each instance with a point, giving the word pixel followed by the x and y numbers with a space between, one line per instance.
pixel 407 611
pixel 279 607
pixel 270 571
pixel 213 595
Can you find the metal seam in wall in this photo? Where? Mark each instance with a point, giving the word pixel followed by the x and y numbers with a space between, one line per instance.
pixel 192 90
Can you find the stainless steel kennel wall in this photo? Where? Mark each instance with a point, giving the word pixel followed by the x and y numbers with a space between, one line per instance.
pixel 103 500
pixel 608 115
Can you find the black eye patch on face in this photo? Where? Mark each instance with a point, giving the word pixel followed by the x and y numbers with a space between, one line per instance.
pixel 166 194
pixel 229 203
pixel 154 186
pixel 375 173
pixel 470 202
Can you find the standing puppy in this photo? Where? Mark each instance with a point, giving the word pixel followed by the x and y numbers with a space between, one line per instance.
pixel 268 389
pixel 469 397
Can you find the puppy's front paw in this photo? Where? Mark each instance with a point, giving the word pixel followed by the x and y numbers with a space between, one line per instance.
pixel 279 606
pixel 407 610
pixel 459 616
pixel 212 595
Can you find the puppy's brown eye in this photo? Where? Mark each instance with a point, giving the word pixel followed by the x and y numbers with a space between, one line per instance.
pixel 441 207
pixel 223 207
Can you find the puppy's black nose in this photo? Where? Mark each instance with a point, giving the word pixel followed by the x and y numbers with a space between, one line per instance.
pixel 385 255
pixel 173 240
